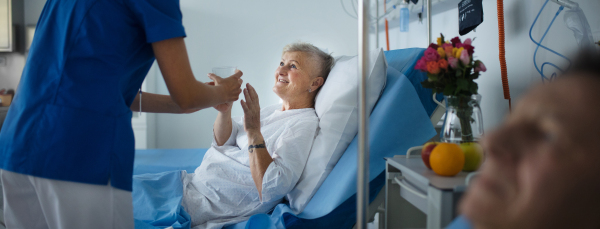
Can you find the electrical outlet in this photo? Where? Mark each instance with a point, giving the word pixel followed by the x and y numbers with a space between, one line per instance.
pixel 2 61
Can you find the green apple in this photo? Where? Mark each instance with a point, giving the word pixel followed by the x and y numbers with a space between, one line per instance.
pixel 473 155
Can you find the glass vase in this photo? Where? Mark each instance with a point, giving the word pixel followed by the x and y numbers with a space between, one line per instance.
pixel 463 122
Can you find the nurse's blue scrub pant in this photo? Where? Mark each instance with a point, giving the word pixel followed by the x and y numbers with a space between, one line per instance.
pixel 33 202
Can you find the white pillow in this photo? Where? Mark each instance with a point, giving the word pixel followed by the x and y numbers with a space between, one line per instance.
pixel 337 108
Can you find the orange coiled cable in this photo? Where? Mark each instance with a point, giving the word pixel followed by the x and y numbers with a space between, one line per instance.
pixel 387 35
pixel 501 45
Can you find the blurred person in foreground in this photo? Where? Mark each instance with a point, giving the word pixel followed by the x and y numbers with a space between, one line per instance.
pixel 542 166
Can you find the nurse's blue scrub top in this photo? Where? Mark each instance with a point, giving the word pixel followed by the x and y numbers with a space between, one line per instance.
pixel 70 119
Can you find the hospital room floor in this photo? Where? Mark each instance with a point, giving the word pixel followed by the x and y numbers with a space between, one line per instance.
pixel 375 223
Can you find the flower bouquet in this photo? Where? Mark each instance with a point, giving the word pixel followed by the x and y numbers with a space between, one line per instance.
pixel 451 70
pixel 450 67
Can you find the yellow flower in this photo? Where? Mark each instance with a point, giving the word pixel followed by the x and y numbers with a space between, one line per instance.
pixel 439 41
pixel 458 52
pixel 442 53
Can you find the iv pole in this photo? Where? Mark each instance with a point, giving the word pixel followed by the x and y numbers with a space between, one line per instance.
pixel 429 39
pixel 362 183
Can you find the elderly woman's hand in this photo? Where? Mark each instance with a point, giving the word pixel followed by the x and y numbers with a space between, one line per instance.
pixel 251 109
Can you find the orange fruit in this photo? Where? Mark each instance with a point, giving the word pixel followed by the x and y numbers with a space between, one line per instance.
pixel 447 159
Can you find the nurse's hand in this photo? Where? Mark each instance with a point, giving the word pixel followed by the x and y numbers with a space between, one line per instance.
pixel 230 87
pixel 251 109
pixel 223 107
pixel 186 91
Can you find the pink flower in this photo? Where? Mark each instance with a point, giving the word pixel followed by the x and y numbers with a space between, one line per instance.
pixel 468 41
pixel 464 57
pixel 455 41
pixel 433 46
pixel 431 55
pixel 453 62
pixel 469 48
pixel 446 45
pixel 421 65
pixel 480 67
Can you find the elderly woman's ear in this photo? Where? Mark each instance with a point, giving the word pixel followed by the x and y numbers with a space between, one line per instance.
pixel 317 82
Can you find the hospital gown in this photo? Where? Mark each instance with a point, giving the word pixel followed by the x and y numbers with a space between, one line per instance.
pixel 221 191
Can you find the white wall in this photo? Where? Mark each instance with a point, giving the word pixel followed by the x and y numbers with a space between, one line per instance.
pixel 33 9
pixel 519 15
pixel 249 35
pixel 10 71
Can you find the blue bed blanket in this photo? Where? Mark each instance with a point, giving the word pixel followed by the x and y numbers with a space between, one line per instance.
pixel 157 201
pixel 157 187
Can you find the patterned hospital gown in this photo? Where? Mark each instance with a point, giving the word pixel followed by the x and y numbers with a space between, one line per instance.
pixel 221 191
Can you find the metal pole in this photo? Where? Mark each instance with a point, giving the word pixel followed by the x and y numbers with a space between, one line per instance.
pixel 377 23
pixel 362 189
pixel 429 39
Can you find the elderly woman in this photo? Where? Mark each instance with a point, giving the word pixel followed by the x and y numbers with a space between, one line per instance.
pixel 253 163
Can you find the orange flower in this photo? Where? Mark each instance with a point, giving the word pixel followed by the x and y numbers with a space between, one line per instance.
pixel 433 67
pixel 443 63
pixel 448 50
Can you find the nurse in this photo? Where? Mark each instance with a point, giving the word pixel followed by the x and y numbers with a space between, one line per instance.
pixel 67 145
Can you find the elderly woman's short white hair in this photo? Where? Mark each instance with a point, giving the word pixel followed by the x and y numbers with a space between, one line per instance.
pixel 324 60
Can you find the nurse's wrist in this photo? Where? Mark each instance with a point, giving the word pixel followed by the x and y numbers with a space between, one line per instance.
pixel 219 94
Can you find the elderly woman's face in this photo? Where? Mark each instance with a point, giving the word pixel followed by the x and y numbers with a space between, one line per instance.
pixel 542 164
pixel 294 75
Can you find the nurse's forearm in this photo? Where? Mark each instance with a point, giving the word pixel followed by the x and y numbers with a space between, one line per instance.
pixel 259 159
pixel 222 127
pixel 155 103
pixel 186 91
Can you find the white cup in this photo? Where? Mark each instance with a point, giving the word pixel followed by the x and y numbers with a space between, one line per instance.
pixel 224 72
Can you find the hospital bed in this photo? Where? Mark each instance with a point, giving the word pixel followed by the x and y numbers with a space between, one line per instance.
pixel 334 204
pixel 401 119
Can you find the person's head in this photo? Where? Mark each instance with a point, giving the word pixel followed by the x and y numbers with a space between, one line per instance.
pixel 302 71
pixel 543 163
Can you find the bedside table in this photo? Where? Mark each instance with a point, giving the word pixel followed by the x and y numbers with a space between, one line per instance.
pixel 409 181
